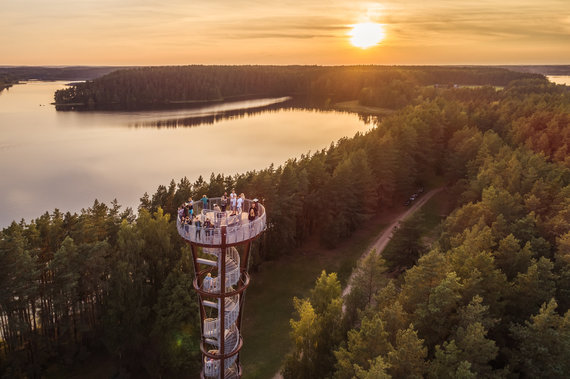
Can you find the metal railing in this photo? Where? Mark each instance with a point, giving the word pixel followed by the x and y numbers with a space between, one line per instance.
pixel 212 284
pixel 227 227
pixel 231 341
pixel 238 227
pixel 211 369
pixel 211 325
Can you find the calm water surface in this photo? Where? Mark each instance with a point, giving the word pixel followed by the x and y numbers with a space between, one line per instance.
pixel 559 79
pixel 65 160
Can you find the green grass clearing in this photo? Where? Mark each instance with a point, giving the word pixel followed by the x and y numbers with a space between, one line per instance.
pixel 269 305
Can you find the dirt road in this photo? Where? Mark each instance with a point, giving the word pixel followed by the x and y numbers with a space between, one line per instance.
pixel 385 237
pixel 380 244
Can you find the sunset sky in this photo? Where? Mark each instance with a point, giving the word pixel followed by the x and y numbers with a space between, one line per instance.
pixel 152 32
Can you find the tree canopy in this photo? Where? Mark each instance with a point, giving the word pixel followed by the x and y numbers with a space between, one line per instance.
pixel 489 297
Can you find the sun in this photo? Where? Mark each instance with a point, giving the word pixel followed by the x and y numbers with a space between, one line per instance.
pixel 366 34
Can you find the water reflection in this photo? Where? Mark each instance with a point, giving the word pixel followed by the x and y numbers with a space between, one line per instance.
pixel 65 160
pixel 208 116
pixel 213 117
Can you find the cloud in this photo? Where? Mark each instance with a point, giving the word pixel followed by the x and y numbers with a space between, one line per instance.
pixel 478 21
pixel 139 28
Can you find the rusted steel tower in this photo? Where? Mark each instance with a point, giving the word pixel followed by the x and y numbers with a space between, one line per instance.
pixel 220 252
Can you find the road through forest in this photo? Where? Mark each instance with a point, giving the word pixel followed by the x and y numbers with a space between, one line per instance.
pixel 380 244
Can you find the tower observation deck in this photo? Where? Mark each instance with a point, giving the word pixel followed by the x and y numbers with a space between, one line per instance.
pixel 220 253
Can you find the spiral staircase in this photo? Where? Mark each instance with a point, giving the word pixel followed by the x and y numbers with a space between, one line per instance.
pixel 212 333
pixel 221 279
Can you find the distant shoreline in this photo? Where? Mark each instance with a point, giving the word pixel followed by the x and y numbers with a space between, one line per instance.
pixel 553 70
pixel 354 106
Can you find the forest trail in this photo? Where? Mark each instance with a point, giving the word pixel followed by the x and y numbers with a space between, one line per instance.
pixel 380 244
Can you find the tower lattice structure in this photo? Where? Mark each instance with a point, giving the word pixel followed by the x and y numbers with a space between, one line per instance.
pixel 220 255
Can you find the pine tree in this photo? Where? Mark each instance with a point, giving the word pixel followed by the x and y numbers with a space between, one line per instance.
pixel 317 332
pixel 363 345
pixel 408 359
pixel 367 278
pixel 543 344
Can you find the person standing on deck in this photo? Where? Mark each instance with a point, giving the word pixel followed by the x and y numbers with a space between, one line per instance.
pixel 207 225
pixel 187 223
pixel 240 203
pixel 255 206
pixel 233 201
pixel 224 202
pixel 251 216
pixel 198 225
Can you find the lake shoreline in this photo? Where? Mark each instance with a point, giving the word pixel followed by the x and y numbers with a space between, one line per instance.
pixel 73 158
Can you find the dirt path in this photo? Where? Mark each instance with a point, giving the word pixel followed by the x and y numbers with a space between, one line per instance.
pixel 380 244
pixel 386 235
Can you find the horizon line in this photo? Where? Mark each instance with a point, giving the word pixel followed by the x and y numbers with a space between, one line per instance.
pixel 289 65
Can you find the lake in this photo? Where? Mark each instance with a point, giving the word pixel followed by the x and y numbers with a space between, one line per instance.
pixel 559 79
pixel 66 160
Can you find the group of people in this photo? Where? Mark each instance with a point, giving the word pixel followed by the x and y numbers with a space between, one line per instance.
pixel 188 216
pixel 235 201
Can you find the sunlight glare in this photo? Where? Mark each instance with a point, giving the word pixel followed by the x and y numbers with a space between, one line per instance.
pixel 367 34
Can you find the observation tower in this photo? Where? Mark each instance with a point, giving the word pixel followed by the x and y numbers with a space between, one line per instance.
pixel 220 254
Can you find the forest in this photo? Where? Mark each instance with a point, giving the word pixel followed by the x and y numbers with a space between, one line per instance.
pixel 383 86
pixel 10 75
pixel 488 298
pixel 55 73
pixel 6 81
